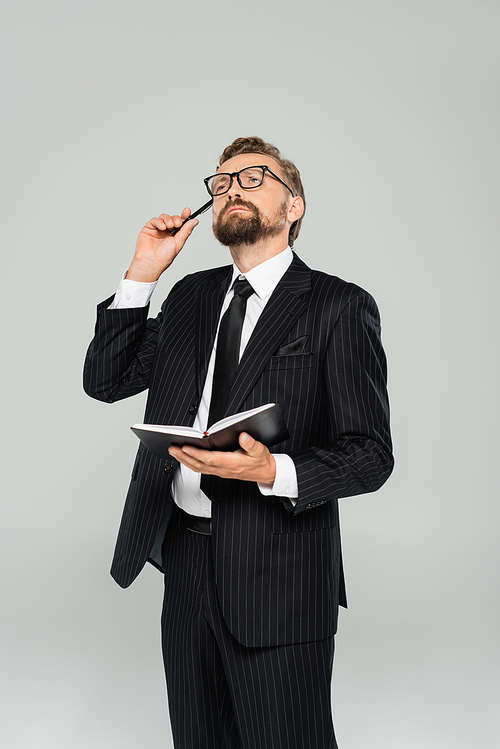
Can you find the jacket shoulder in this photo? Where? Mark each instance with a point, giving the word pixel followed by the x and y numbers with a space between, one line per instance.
pixel 337 292
pixel 202 276
pixel 332 296
pixel 324 284
pixel 192 283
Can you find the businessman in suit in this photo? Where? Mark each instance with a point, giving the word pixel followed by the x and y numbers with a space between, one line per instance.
pixel 248 541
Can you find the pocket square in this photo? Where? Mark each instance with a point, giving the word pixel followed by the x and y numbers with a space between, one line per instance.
pixel 293 347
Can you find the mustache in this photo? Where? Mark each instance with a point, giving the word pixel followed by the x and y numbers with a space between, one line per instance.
pixel 238 201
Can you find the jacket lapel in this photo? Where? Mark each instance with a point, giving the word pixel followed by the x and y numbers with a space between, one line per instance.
pixel 287 303
pixel 210 303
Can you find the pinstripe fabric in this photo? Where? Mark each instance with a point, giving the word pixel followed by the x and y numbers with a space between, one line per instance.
pixel 278 569
pixel 223 695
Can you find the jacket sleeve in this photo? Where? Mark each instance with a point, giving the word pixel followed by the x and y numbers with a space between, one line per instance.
pixel 358 455
pixel 120 356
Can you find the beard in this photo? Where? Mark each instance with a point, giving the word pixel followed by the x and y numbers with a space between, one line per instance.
pixel 242 229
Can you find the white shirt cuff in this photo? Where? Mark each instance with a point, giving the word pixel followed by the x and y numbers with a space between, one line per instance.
pixel 132 294
pixel 285 481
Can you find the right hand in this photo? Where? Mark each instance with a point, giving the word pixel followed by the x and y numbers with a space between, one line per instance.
pixel 156 249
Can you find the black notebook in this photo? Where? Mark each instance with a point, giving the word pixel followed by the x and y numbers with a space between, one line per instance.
pixel 264 423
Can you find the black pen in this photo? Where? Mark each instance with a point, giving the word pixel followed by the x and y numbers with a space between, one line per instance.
pixel 193 215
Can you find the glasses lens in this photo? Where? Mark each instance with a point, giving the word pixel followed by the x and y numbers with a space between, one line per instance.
pixel 219 184
pixel 251 177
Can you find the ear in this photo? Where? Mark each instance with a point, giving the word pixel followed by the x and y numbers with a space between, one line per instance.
pixel 295 208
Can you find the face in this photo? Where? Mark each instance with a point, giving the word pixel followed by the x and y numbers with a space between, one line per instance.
pixel 245 217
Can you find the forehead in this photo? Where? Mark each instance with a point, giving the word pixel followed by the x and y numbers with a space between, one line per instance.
pixel 249 159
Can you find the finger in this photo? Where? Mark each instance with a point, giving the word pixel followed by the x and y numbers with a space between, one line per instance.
pixel 163 222
pixel 178 220
pixel 173 220
pixel 189 222
pixel 249 445
pixel 167 222
pixel 206 461
pixel 186 230
pixel 187 459
pixel 212 458
pixel 204 456
pixel 159 222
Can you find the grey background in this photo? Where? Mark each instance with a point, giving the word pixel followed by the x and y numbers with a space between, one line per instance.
pixel 113 112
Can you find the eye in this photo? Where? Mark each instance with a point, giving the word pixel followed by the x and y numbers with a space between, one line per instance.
pixel 251 177
pixel 220 185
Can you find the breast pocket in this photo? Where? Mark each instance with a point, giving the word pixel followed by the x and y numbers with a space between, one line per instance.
pixel 291 361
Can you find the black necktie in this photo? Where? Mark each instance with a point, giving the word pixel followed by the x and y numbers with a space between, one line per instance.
pixel 228 349
pixel 227 357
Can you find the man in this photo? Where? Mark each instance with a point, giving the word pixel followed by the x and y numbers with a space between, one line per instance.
pixel 251 556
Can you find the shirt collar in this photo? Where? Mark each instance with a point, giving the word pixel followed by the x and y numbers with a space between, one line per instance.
pixel 265 277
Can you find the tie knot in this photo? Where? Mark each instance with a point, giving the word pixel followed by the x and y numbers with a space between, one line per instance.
pixel 242 288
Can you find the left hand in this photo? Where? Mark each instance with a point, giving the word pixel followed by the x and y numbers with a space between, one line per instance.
pixel 253 462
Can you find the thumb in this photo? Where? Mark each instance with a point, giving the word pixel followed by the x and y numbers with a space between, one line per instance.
pixel 187 229
pixel 247 443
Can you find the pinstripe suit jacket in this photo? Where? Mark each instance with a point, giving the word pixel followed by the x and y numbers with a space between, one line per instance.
pixel 315 350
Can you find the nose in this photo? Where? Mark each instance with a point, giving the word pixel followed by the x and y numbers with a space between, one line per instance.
pixel 235 191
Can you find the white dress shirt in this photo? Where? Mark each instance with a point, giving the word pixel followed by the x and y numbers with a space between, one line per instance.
pixel 263 278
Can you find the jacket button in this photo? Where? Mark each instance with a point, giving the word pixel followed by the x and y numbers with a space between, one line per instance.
pixel 193 409
pixel 168 467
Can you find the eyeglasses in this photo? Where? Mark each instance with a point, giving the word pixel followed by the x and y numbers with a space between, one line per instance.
pixel 248 179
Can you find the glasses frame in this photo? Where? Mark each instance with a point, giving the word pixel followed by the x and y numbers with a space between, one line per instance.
pixel 232 175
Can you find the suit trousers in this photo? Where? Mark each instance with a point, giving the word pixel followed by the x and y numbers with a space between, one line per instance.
pixel 221 694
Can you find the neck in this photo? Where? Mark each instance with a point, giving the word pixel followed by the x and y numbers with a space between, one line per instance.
pixel 248 256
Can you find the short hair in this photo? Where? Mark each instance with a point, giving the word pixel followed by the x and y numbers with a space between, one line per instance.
pixel 291 174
